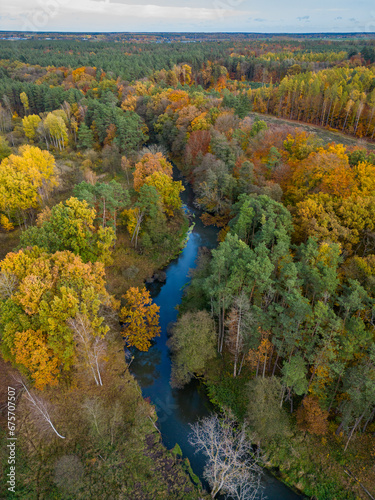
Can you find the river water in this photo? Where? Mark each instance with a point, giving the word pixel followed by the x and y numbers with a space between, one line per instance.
pixel 177 408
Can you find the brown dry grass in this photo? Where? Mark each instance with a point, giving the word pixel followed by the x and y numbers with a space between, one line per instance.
pixel 324 134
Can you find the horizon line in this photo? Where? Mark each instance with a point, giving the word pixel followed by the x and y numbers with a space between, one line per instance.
pixel 194 32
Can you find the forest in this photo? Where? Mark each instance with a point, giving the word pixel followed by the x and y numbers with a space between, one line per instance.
pixel 275 136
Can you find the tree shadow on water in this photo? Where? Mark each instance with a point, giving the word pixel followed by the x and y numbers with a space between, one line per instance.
pixel 145 367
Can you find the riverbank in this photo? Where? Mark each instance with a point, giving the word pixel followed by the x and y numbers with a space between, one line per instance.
pixel 178 408
pixel 315 466
pixel 111 442
pixel 132 268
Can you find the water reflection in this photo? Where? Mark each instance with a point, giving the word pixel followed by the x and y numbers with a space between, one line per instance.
pixel 146 367
pixel 191 403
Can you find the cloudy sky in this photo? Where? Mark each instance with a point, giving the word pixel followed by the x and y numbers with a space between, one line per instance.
pixel 188 15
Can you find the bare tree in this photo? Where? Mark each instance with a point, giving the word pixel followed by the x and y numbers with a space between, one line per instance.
pixel 40 407
pixel 245 486
pixel 8 284
pixel 95 414
pixel 91 348
pixel 5 119
pixel 65 106
pixel 153 149
pixel 232 464
pixel 139 214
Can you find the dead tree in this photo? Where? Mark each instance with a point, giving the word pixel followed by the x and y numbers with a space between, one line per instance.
pixel 232 464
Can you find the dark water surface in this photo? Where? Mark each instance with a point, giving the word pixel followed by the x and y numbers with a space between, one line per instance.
pixel 177 408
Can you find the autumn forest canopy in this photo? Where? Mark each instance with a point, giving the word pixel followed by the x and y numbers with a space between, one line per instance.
pixel 276 136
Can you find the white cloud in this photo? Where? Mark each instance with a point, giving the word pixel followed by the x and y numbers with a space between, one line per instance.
pixel 181 15
pixel 149 11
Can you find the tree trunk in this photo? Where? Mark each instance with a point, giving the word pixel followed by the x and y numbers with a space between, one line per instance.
pixel 369 420
pixel 275 365
pixel 242 360
pixel 104 214
pixel 222 327
pixel 359 113
pixel 237 341
pixel 357 422
pixel 334 394
pixel 339 429
pixel 270 359
pixel 264 365
pixel 98 371
pixel 346 118
pixel 282 396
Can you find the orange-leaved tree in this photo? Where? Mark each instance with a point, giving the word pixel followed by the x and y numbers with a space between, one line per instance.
pixel 327 171
pixel 149 164
pixel 32 353
pixel 140 317
pixel 311 417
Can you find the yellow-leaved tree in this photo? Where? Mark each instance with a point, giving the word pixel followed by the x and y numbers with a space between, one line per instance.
pixel 25 101
pixel 168 189
pixel 57 130
pixel 30 124
pixel 25 182
pixel 45 302
pixel 140 317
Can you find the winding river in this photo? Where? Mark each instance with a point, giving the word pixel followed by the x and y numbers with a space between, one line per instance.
pixel 177 408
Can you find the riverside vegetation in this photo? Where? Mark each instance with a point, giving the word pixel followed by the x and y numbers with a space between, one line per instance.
pixel 278 320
